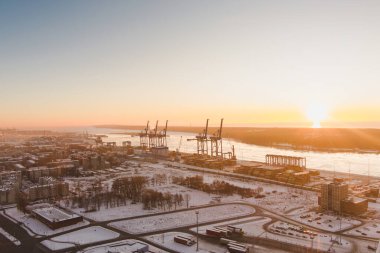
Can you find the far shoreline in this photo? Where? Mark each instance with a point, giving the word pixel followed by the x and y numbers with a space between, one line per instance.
pixel 282 146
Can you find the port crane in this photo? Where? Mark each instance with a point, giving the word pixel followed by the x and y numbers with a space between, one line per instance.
pixel 216 142
pixel 161 138
pixel 152 136
pixel 202 141
pixel 144 136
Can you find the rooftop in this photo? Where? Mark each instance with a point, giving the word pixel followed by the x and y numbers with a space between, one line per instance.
pixel 54 214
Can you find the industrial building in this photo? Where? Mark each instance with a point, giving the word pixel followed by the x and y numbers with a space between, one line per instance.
pixel 160 151
pixel 286 161
pixel 55 218
pixel 354 206
pixel 277 173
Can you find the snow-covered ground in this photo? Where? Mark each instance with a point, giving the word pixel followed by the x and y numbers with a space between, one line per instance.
pixel 277 198
pixel 36 228
pixel 131 210
pixel 328 222
pixel 254 227
pixel 375 208
pixel 125 246
pixel 104 214
pixel 80 237
pixel 183 218
pixel 10 237
pixel 323 241
pixel 370 229
pixel 282 202
pixel 167 240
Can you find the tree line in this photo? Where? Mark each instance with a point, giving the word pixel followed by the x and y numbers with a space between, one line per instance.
pixel 216 187
pixel 125 189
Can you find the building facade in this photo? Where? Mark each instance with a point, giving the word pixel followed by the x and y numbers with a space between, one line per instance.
pixel 332 195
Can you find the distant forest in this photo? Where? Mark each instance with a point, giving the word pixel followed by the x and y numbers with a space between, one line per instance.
pixel 323 139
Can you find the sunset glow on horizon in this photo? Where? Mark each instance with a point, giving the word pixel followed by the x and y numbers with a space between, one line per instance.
pixel 256 63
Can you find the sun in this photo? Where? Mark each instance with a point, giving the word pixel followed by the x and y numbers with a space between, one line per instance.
pixel 316 114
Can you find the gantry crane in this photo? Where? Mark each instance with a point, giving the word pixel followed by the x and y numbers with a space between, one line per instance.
pixel 144 137
pixel 202 141
pixel 216 142
pixel 153 137
pixel 161 138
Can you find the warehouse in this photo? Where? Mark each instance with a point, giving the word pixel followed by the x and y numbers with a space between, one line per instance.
pixel 55 218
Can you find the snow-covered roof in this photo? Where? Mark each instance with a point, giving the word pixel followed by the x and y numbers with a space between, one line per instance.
pixel 54 214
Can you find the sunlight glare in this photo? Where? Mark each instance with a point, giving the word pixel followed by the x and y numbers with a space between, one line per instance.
pixel 316 113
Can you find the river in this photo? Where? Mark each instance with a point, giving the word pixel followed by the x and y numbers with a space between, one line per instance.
pixel 356 163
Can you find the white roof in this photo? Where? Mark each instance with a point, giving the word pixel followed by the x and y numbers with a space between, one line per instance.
pixel 54 214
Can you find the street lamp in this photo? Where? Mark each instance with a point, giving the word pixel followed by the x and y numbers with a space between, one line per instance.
pixel 197 213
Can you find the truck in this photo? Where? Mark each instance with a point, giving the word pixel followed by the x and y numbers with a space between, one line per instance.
pixel 225 241
pixel 183 240
pixel 236 249
pixel 215 232
pixel 234 229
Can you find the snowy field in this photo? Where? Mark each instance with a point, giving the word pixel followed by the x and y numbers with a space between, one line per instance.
pixel 279 199
pixel 104 214
pixel 167 240
pixel 36 228
pixel 197 198
pixel 125 246
pixel 370 229
pixel 327 222
pixel 10 237
pixel 183 218
pixel 80 237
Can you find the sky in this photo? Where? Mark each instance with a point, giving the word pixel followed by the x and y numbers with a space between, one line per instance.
pixel 278 63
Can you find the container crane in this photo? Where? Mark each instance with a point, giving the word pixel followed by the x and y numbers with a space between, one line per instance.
pixel 202 141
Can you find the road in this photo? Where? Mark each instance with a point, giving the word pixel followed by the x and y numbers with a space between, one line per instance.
pixel 29 242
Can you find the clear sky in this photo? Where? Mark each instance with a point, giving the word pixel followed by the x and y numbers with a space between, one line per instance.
pixel 71 63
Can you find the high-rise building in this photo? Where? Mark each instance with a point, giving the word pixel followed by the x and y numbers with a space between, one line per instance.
pixel 332 194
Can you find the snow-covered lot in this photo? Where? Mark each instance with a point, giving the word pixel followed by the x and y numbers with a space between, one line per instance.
pixel 327 222
pixel 291 233
pixel 370 229
pixel 36 228
pixel 80 237
pixel 125 246
pixel 183 218
pixel 254 227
